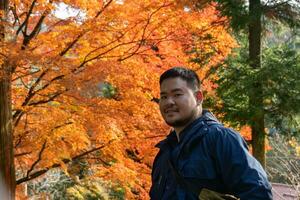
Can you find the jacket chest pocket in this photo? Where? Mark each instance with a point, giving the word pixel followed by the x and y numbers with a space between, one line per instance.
pixel 198 169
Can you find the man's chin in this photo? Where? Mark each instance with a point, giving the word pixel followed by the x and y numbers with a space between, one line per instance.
pixel 179 122
pixel 175 123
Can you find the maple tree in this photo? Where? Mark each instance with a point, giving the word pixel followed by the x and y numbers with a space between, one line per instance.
pixel 86 86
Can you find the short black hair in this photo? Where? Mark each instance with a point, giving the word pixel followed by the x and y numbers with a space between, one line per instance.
pixel 185 74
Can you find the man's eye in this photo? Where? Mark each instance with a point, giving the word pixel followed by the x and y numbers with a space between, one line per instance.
pixel 177 95
pixel 163 97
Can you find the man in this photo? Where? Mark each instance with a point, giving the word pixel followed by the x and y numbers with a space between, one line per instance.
pixel 200 154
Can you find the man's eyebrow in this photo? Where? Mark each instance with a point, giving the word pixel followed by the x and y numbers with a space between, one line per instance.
pixel 174 90
pixel 177 90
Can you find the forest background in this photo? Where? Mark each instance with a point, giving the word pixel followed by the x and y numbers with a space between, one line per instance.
pixel 79 91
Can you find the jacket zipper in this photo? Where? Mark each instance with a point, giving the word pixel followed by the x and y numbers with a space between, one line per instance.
pixel 159 180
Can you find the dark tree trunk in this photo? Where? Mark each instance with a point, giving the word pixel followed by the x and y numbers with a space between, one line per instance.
pixel 256 96
pixel 7 173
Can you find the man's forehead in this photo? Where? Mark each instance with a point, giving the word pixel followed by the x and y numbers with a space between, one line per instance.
pixel 173 84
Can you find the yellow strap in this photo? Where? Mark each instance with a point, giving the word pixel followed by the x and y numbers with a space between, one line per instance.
pixel 207 194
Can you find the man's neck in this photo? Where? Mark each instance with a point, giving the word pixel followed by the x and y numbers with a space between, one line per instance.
pixel 178 130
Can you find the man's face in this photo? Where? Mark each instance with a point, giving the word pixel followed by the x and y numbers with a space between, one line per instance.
pixel 178 102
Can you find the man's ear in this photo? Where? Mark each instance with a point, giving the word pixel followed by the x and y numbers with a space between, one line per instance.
pixel 199 97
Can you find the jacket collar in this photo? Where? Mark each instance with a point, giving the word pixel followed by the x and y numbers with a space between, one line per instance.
pixel 206 118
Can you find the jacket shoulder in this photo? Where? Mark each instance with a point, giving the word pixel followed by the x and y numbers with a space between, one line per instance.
pixel 218 130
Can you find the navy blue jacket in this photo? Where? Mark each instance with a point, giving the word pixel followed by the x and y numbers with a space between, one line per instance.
pixel 208 156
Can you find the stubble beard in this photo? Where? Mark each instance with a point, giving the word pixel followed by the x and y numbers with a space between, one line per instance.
pixel 183 122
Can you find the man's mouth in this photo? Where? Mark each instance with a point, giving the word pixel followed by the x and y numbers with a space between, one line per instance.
pixel 171 111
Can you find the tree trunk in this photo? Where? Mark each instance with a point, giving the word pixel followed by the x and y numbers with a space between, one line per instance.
pixel 7 173
pixel 256 96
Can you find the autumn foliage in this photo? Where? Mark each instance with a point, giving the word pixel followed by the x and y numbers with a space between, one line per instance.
pixel 86 86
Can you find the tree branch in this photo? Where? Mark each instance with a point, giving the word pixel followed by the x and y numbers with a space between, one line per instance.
pixel 45 100
pixel 43 171
pixel 28 38
pixel 60 126
pixel 30 93
pixel 14 11
pixel 24 75
pixel 26 19
pixel 71 44
pixel 22 154
pixel 38 160
pixel 143 33
pixel 104 7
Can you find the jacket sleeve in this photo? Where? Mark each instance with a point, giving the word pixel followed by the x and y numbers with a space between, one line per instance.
pixel 240 171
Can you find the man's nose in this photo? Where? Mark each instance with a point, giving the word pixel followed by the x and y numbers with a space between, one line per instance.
pixel 170 101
